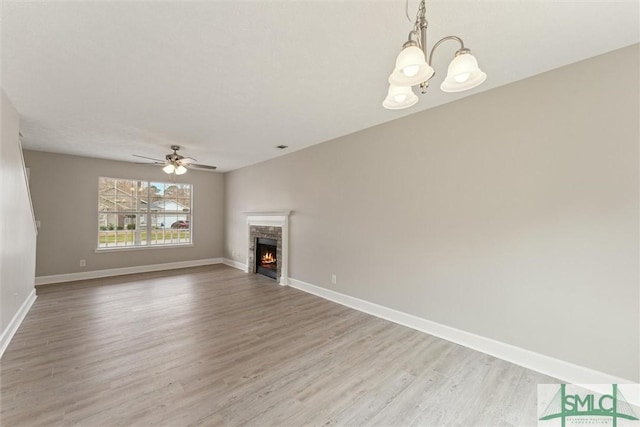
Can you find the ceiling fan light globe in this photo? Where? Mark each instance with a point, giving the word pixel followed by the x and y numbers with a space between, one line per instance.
pixel 169 169
pixel 180 170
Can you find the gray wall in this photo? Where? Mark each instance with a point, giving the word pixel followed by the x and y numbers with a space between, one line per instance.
pixel 17 229
pixel 65 198
pixel 512 214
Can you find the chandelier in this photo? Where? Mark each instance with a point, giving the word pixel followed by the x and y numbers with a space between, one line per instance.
pixel 413 69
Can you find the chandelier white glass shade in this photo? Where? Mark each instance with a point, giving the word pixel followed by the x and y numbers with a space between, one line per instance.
pixel 463 73
pixel 399 97
pixel 413 69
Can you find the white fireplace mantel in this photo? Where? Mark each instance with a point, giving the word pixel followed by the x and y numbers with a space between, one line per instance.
pixel 273 219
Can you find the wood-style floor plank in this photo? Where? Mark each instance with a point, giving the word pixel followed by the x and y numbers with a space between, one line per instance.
pixel 215 346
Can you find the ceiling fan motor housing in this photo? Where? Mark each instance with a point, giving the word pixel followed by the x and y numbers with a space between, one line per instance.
pixel 174 157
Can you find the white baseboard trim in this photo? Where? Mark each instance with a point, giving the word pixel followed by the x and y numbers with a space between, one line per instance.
pixel 235 264
pixel 17 319
pixel 560 369
pixel 95 274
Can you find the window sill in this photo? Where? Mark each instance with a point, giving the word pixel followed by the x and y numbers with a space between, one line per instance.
pixel 140 248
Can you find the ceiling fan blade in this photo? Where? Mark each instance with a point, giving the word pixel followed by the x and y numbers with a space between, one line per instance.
pixel 149 158
pixel 203 167
pixel 187 160
pixel 147 163
pixel 176 160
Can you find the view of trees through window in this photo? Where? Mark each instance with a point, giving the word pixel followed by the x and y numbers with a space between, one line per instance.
pixel 143 213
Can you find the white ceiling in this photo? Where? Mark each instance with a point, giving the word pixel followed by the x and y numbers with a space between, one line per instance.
pixel 230 80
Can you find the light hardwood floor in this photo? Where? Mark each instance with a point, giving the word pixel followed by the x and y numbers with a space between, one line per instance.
pixel 215 346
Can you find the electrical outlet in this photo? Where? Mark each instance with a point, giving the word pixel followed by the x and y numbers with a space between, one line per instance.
pixel 83 263
pixel 334 280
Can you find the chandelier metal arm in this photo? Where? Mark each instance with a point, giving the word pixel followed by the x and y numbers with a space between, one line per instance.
pixel 410 40
pixel 444 39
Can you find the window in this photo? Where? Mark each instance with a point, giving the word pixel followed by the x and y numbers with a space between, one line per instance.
pixel 133 213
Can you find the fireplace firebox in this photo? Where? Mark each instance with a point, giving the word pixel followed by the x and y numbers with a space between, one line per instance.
pixel 266 257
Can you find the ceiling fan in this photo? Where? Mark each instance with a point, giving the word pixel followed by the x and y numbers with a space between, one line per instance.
pixel 177 164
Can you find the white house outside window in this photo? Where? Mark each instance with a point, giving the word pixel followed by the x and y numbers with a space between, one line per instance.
pixel 143 213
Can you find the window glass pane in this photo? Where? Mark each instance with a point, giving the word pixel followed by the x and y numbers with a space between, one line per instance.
pixel 183 190
pixel 185 233
pixel 171 205
pixel 107 202
pixel 156 206
pixel 125 203
pixel 107 186
pixel 156 221
pixel 157 189
pixel 131 187
pixel 185 203
pixel 102 230
pixel 125 187
pixel 130 222
pixel 143 196
pixel 120 223
pixel 170 191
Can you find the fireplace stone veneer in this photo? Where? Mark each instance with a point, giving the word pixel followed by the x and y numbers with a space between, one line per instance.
pixel 269 225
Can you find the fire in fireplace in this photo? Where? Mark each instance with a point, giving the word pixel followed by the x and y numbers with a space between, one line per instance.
pixel 266 257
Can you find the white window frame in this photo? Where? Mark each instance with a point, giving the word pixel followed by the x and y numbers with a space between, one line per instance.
pixel 148 214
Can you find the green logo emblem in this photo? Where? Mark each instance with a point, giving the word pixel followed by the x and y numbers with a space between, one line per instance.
pixel 565 405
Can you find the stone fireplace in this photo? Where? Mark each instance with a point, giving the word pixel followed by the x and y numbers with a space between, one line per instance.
pixel 268 247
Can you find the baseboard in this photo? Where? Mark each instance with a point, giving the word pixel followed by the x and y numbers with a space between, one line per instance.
pixel 17 319
pixel 95 274
pixel 235 264
pixel 560 369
